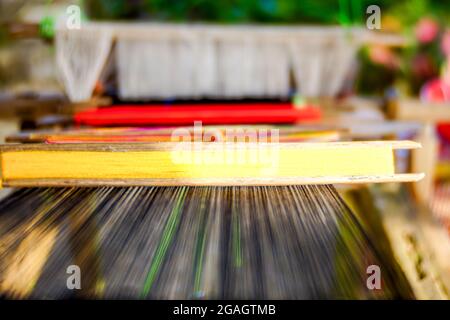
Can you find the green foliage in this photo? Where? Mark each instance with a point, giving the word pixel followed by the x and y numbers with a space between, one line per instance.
pixel 409 12
pixel 235 11
pixel 373 78
pixel 111 9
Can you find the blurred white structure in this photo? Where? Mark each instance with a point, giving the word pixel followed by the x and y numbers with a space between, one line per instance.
pixel 194 61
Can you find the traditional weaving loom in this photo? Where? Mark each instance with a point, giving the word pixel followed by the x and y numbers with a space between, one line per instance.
pixel 251 215
pixel 240 241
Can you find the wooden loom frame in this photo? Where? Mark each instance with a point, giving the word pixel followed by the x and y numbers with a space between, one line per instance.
pixel 128 165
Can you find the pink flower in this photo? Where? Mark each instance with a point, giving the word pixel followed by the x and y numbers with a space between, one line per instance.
pixel 435 91
pixel 382 55
pixel 426 30
pixel 445 43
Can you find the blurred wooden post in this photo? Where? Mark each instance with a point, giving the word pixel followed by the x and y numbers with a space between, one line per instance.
pixel 425 160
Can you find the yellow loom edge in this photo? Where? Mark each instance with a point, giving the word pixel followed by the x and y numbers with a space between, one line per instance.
pixel 410 177
pixel 212 164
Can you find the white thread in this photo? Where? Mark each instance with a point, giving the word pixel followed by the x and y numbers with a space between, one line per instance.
pixel 195 61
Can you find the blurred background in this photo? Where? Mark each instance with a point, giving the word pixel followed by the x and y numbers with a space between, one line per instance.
pixel 27 64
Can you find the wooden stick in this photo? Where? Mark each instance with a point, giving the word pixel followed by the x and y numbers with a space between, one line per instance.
pixel 212 182
pixel 425 160
pixel 416 110
pixel 167 31
pixel 167 146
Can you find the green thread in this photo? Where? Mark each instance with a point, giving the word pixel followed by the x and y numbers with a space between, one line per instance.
pixel 237 249
pixel 200 254
pixel 167 238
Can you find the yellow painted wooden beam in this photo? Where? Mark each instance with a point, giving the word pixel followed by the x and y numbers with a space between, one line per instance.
pixel 202 164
